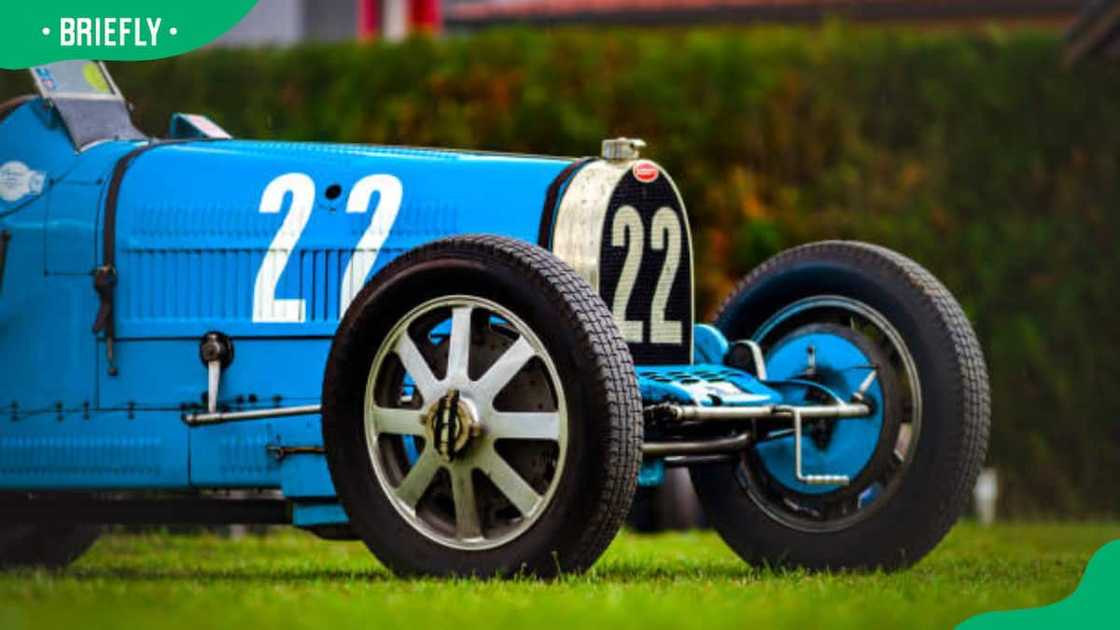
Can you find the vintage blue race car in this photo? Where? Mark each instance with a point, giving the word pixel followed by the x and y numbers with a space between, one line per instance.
pixel 467 360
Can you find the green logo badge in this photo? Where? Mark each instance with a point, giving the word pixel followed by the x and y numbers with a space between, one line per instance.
pixel 1092 605
pixel 37 33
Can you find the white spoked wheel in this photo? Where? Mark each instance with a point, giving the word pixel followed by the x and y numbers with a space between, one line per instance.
pixel 481 413
pixel 467 431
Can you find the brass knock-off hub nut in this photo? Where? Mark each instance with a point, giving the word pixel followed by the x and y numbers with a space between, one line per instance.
pixel 450 423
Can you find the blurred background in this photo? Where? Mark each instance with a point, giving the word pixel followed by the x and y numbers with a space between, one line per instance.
pixel 977 137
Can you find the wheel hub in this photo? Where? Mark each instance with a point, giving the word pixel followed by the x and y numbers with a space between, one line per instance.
pixel 838 358
pixel 450 423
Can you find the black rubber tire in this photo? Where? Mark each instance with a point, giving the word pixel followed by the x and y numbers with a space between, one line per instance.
pixel 953 440
pixel 44 546
pixel 599 477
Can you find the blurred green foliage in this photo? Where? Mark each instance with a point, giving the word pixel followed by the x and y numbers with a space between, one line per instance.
pixel 977 153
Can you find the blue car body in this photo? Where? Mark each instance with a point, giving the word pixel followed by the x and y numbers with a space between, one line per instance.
pixel 190 239
pixel 263 241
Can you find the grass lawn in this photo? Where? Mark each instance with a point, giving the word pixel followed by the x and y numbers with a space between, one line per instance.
pixel 293 580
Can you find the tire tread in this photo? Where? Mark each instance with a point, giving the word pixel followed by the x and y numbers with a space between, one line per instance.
pixel 970 379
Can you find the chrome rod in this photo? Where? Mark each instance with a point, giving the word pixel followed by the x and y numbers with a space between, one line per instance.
pixel 818 480
pixel 838 410
pixel 252 414
pixel 687 461
pixel 866 384
pixel 697 447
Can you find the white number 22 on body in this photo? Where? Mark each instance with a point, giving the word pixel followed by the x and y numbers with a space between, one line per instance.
pixel 267 308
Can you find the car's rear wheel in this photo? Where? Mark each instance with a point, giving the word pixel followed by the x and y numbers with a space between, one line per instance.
pixel 481 413
pixel 44 546
pixel 866 324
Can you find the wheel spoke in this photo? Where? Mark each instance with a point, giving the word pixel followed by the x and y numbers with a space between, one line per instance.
pixel 417 367
pixel 466 506
pixel 509 482
pixel 523 425
pixel 397 421
pixel 505 368
pixel 459 343
pixel 419 478
pixel 470 350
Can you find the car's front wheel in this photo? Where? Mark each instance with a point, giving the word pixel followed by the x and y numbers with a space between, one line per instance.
pixel 481 413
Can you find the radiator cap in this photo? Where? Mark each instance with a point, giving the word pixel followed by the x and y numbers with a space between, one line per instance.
pixel 623 149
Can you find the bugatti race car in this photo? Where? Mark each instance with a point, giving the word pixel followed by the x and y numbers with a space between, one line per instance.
pixel 467 360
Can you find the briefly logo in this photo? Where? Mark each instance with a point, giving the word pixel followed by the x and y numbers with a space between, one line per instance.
pixel 85 32
pixel 17 181
pixel 645 171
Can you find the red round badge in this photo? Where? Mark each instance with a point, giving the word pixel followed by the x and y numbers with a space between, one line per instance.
pixel 645 171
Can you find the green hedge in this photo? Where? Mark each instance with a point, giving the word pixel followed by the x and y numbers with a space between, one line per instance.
pixel 976 153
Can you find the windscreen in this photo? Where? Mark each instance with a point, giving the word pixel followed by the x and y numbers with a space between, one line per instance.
pixel 75 80
pixel 91 106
